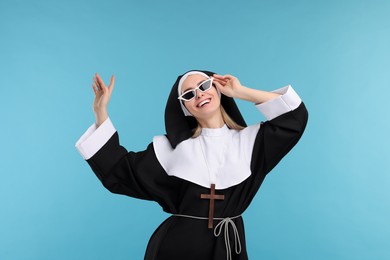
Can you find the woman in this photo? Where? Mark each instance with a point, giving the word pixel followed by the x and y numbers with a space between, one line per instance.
pixel 207 168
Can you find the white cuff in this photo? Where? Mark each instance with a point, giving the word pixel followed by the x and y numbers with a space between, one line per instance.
pixel 288 101
pixel 94 139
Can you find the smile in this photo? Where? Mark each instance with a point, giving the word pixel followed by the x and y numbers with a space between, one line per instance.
pixel 204 102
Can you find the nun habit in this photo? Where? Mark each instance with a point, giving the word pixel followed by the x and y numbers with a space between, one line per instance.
pixel 177 171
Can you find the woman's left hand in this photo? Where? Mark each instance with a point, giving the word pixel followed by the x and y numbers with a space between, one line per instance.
pixel 228 85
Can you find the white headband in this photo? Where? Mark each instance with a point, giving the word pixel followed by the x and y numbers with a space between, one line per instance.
pixel 183 78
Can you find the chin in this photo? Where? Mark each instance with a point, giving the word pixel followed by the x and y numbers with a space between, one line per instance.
pixel 210 111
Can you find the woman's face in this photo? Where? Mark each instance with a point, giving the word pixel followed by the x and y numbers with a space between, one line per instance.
pixel 205 104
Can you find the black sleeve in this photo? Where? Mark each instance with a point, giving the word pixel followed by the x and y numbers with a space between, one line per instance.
pixel 135 174
pixel 276 138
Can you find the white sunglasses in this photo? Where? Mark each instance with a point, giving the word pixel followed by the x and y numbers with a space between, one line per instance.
pixel 203 87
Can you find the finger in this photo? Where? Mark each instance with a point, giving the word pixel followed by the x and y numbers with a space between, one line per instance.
pixel 224 77
pixel 112 83
pixel 100 80
pixel 96 83
pixel 94 89
pixel 217 76
pixel 219 85
pixel 102 89
pixel 221 81
pixel 98 92
pixel 228 77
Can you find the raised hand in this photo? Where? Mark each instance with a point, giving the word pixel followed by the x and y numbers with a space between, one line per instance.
pixel 102 97
pixel 228 85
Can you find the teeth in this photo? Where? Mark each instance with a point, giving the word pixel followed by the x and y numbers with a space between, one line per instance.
pixel 204 102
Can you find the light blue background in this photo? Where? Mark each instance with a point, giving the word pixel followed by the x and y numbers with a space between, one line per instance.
pixel 328 199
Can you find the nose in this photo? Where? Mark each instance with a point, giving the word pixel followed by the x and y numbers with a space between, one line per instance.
pixel 198 93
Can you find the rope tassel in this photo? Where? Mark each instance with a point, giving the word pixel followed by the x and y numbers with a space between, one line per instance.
pixel 224 224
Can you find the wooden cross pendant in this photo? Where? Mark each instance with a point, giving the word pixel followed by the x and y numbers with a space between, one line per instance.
pixel 212 196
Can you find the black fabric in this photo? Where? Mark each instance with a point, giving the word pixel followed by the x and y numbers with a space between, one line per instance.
pixel 140 175
pixel 180 127
pixel 277 137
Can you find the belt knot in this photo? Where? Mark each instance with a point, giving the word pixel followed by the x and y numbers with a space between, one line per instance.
pixel 224 224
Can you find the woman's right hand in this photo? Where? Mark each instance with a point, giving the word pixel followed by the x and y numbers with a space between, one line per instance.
pixel 102 97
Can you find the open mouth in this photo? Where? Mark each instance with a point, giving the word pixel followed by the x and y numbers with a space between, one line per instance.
pixel 204 102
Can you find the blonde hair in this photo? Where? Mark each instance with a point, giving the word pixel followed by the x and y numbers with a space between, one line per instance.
pixel 226 118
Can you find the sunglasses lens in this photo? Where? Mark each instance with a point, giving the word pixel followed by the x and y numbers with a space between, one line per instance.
pixel 205 85
pixel 188 95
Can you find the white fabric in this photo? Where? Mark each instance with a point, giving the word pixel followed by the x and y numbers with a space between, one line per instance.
pixel 94 139
pixel 187 161
pixel 288 101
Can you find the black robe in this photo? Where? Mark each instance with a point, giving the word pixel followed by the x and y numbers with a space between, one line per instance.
pixel 140 175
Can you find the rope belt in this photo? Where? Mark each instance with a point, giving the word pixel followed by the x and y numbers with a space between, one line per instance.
pixel 223 224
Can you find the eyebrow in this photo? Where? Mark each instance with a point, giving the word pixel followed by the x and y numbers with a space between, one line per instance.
pixel 196 85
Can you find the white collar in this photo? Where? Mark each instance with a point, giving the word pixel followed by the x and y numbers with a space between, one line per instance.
pixel 215 131
pixel 186 161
